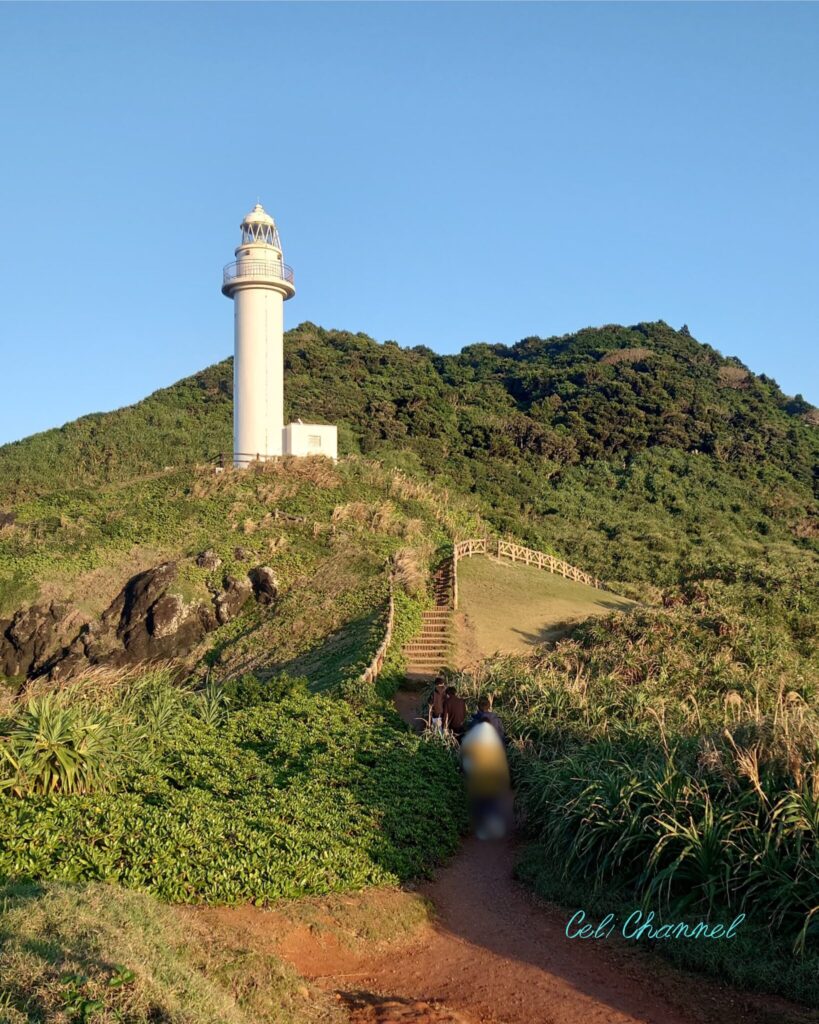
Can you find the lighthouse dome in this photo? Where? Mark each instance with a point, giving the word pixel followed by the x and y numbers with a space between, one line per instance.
pixel 259 227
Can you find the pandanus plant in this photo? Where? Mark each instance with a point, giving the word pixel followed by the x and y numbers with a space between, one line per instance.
pixel 58 749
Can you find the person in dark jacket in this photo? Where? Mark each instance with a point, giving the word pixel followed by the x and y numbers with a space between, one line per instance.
pixel 436 704
pixel 454 713
pixel 484 714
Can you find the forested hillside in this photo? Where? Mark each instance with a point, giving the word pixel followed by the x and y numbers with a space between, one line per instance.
pixel 658 736
pixel 637 452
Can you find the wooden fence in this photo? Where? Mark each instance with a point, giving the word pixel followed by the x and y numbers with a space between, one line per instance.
pixel 373 670
pixel 517 553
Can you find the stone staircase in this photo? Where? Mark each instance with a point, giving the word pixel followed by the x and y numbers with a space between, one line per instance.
pixel 430 651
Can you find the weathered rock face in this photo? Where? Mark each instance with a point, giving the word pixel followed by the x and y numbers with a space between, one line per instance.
pixel 29 638
pixel 231 600
pixel 145 622
pixel 265 584
pixel 208 560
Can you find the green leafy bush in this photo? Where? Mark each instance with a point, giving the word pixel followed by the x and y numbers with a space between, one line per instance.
pixel 54 748
pixel 300 795
pixel 249 689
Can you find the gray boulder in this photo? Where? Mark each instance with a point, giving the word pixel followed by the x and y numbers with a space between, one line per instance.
pixel 232 599
pixel 208 559
pixel 265 584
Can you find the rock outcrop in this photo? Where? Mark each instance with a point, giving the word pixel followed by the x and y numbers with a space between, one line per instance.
pixel 30 637
pixel 147 621
pixel 232 598
pixel 208 559
pixel 265 584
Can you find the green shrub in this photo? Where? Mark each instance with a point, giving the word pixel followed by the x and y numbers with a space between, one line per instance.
pixel 57 749
pixel 248 689
pixel 300 795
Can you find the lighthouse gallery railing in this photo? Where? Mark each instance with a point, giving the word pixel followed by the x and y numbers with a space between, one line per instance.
pixel 257 268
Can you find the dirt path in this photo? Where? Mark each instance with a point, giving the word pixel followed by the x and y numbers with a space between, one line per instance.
pixel 493 954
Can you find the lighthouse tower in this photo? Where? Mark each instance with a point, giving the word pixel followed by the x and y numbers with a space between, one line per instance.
pixel 258 282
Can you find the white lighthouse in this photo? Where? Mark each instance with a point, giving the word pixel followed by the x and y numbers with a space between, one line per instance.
pixel 259 282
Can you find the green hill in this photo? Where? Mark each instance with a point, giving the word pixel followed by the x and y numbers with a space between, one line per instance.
pixel 658 735
pixel 636 452
pixel 631 450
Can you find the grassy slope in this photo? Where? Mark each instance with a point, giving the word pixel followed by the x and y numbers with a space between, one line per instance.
pixel 635 468
pixel 651 467
pixel 61 947
pixel 188 967
pixel 513 608
pixel 327 532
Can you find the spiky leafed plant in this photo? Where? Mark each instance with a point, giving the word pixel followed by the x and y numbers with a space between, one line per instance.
pixel 54 748
pixel 213 703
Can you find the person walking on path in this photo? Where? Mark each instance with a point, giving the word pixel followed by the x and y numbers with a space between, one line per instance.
pixel 454 713
pixel 483 759
pixel 436 704
pixel 485 714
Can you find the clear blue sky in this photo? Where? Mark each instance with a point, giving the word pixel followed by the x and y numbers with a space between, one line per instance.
pixel 441 175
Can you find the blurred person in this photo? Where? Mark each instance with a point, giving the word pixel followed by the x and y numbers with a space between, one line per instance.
pixel 483 759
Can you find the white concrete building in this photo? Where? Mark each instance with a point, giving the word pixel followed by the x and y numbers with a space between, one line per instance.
pixel 259 282
pixel 310 439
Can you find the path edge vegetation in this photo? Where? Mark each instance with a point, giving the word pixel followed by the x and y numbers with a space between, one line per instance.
pixel 653 461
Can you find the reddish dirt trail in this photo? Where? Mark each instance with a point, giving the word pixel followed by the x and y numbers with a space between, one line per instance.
pixel 498 957
pixel 493 954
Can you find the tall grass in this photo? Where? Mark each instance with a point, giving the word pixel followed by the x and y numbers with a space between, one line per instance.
pixel 660 755
pixel 82 739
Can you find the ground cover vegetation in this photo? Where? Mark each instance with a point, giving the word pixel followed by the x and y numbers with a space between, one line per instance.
pixel 669 753
pixel 668 758
pixel 263 792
